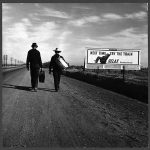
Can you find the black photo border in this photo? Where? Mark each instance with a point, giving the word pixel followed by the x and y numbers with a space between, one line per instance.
pixel 71 1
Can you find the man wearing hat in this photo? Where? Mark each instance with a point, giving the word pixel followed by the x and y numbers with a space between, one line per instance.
pixel 35 62
pixel 56 68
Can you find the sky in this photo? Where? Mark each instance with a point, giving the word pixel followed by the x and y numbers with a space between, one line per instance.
pixel 72 27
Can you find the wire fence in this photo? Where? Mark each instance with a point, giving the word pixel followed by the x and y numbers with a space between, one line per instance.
pixel 8 61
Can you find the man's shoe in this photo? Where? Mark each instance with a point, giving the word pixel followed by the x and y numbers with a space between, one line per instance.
pixel 32 90
pixel 35 89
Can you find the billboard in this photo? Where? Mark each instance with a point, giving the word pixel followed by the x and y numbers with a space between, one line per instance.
pixel 113 59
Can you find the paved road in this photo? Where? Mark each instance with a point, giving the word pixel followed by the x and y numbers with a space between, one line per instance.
pixel 79 115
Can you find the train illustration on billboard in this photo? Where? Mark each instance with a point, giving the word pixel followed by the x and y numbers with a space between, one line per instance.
pixel 101 58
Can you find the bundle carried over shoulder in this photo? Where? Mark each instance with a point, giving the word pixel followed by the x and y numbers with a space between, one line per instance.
pixel 62 63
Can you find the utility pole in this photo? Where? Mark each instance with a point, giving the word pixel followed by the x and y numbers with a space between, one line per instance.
pixel 15 62
pixel 11 59
pixel 6 59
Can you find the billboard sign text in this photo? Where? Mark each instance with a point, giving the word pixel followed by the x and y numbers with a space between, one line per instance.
pixel 113 59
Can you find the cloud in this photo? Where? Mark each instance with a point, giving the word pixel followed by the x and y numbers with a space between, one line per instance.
pixel 53 27
pixel 17 32
pixel 111 16
pixel 26 22
pixel 145 6
pixel 6 19
pixel 54 13
pixel 81 7
pixel 44 31
pixel 34 16
pixel 5 7
pixel 128 39
pixel 107 17
pixel 44 12
pixel 63 39
pixel 64 35
pixel 84 20
pixel 138 15
pixel 5 10
pixel 18 38
pixel 37 5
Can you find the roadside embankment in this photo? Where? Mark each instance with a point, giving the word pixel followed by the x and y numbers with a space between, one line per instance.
pixel 131 89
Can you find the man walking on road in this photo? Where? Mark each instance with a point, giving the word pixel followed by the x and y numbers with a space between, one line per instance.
pixel 57 71
pixel 34 59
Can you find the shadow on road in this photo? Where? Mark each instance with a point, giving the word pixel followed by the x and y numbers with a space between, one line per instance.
pixel 45 89
pixel 25 88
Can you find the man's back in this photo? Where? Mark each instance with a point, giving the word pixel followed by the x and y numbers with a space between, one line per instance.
pixel 53 63
pixel 34 58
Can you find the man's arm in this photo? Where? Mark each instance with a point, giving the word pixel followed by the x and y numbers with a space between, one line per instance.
pixel 40 61
pixel 50 65
pixel 27 61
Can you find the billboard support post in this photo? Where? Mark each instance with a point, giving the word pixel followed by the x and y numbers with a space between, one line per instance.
pixel 123 71
pixel 97 70
pixel 84 65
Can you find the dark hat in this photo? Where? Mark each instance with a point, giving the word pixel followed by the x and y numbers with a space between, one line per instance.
pixel 34 44
pixel 56 50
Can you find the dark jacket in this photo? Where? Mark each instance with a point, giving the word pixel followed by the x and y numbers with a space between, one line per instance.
pixel 34 58
pixel 53 63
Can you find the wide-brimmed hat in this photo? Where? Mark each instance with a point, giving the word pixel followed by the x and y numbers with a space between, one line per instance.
pixel 34 44
pixel 56 50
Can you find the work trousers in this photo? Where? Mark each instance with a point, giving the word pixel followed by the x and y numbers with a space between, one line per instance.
pixel 56 75
pixel 34 72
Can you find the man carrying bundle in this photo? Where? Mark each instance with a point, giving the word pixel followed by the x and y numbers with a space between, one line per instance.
pixel 57 68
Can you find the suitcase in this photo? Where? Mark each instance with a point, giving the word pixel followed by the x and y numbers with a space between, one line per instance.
pixel 42 76
pixel 61 63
